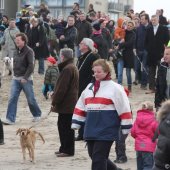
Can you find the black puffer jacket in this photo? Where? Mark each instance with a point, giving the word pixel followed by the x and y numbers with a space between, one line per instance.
pixel 162 153
pixel 70 34
pixel 101 45
pixel 128 46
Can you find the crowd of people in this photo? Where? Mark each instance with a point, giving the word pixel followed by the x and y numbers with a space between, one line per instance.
pixel 84 94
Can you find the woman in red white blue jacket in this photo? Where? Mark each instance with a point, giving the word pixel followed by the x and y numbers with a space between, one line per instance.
pixel 104 107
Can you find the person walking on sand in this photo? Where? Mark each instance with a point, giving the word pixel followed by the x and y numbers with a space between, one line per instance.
pixel 22 80
pixel 104 107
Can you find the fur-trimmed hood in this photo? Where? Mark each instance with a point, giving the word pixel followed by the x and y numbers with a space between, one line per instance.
pixel 164 111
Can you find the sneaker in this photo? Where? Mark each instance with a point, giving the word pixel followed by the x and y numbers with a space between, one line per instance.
pixel 7 122
pixel 36 119
pixel 120 161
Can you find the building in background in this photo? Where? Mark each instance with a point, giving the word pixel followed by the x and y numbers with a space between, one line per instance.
pixel 9 7
pixel 115 8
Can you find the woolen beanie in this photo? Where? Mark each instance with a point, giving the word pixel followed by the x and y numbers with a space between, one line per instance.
pixel 51 60
pixel 96 26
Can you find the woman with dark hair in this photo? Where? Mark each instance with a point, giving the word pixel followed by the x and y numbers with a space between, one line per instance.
pixel 5 21
pixel 127 60
pixel 38 42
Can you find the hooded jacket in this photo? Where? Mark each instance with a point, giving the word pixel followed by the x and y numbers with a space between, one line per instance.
pixel 119 31
pixel 162 153
pixel 143 131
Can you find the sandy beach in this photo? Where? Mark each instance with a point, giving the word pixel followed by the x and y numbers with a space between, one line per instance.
pixel 11 155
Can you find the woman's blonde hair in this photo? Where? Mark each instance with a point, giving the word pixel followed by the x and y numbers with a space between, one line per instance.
pixel 104 64
pixel 131 22
pixel 147 106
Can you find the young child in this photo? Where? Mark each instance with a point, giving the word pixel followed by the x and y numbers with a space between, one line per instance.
pixel 143 130
pixel 1 133
pixel 51 76
pixel 119 34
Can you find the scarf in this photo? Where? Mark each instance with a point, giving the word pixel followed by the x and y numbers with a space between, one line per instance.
pixel 97 32
pixel 97 83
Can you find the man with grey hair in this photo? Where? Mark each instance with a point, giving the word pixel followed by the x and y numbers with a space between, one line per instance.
pixel 64 99
pixel 157 37
pixel 84 64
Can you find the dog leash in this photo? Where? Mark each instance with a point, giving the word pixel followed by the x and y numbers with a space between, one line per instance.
pixel 143 68
pixel 41 120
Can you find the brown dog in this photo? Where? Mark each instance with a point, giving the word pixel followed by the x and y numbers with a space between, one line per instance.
pixel 27 140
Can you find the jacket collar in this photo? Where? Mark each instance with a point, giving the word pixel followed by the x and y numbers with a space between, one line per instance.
pixel 65 63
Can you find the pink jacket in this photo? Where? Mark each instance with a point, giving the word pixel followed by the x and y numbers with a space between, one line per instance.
pixel 143 131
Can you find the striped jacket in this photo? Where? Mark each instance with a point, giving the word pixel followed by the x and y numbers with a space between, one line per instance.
pixel 103 114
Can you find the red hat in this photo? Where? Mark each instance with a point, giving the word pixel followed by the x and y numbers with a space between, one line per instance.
pixel 51 60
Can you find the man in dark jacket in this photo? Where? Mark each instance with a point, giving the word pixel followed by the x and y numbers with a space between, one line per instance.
pixel 84 64
pixel 163 80
pixel 162 19
pixel 141 58
pixel 84 30
pixel 64 100
pixel 70 34
pixel 22 80
pixel 99 41
pixel 157 37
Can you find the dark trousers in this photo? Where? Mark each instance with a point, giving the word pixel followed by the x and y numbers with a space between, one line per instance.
pixel 120 146
pixel 152 74
pixel 99 153
pixel 1 132
pixel 66 134
pixel 144 160
pixel 141 63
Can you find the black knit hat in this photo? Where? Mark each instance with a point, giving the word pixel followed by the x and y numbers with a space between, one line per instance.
pixel 96 26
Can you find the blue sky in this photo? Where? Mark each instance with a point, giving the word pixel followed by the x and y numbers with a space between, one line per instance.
pixel 150 6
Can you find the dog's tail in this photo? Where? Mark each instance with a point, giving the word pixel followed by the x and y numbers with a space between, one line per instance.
pixel 40 136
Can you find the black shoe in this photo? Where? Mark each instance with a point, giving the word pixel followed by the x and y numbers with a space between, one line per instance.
pixel 135 82
pixel 120 161
pixel 2 142
pixel 57 152
pixel 78 138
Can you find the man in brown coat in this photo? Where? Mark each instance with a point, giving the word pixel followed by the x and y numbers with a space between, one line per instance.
pixel 64 100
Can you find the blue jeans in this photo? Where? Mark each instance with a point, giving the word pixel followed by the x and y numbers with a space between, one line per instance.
pixel 16 88
pixel 120 66
pixel 144 160
pixel 41 67
pixel 141 75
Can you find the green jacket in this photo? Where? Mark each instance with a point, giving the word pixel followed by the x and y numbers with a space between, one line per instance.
pixel 51 75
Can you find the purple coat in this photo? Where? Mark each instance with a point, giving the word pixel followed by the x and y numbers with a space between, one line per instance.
pixel 143 131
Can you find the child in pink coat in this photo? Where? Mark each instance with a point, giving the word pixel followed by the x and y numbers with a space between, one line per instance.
pixel 143 131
